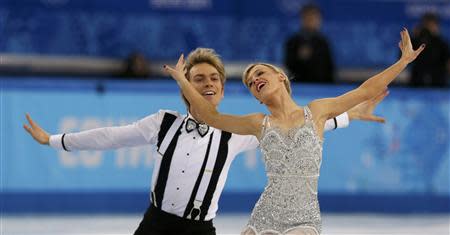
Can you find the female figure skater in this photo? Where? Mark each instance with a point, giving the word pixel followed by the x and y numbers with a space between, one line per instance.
pixel 291 138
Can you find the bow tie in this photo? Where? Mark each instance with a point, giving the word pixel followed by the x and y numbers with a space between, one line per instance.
pixel 191 124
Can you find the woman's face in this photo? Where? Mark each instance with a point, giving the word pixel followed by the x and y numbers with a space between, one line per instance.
pixel 262 81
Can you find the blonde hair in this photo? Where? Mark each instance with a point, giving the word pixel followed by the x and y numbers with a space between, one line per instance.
pixel 205 55
pixel 208 56
pixel 287 83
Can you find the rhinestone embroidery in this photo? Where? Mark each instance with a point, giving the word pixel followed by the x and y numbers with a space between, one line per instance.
pixel 292 163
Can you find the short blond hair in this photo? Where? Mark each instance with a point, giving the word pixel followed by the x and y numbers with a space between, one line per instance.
pixel 200 56
pixel 287 83
pixel 208 56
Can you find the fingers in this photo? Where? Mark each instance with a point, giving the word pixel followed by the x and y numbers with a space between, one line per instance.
pixel 403 40
pixel 169 69
pixel 30 120
pixel 179 67
pixel 27 128
pixel 32 126
pixel 406 40
pixel 373 118
pixel 405 30
pixel 405 35
pixel 421 48
pixel 379 119
pixel 179 71
pixel 180 60
pixel 180 64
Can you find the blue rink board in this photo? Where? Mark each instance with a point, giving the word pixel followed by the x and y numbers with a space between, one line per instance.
pixel 398 167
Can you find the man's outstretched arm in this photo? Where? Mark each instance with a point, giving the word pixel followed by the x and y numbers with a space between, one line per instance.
pixel 362 112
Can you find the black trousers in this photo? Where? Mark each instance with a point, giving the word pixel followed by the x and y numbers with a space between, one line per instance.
pixel 158 222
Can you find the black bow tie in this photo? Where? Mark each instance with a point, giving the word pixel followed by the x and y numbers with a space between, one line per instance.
pixel 191 124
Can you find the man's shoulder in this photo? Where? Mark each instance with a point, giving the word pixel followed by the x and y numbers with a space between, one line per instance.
pixel 159 116
pixel 177 114
pixel 242 143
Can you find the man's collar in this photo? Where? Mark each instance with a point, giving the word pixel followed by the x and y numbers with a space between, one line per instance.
pixel 189 115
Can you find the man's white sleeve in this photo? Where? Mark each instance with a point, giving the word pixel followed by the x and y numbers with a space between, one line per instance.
pixel 340 121
pixel 242 143
pixel 144 131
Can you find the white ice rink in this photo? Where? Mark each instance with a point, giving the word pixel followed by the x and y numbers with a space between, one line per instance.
pixel 226 224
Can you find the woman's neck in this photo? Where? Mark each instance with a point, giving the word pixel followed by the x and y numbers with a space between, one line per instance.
pixel 282 107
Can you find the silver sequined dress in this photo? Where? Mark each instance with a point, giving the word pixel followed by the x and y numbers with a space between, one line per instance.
pixel 289 202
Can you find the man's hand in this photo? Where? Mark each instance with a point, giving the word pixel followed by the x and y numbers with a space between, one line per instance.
pixel 364 110
pixel 36 131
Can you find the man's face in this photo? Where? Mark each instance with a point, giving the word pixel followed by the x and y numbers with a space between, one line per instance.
pixel 312 20
pixel 206 80
pixel 432 26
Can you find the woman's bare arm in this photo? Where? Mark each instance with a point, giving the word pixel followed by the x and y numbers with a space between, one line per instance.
pixel 243 125
pixel 330 107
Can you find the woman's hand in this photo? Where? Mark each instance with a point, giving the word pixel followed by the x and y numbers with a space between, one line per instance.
pixel 405 45
pixel 179 72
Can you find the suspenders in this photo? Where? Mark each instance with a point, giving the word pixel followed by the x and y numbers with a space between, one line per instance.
pixel 213 163
pixel 193 206
pixel 221 158
pixel 205 186
pixel 167 141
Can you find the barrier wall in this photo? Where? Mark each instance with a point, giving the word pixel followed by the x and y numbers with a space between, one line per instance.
pixel 400 166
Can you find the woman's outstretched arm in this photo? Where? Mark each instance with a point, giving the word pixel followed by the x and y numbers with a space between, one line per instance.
pixel 243 125
pixel 329 107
